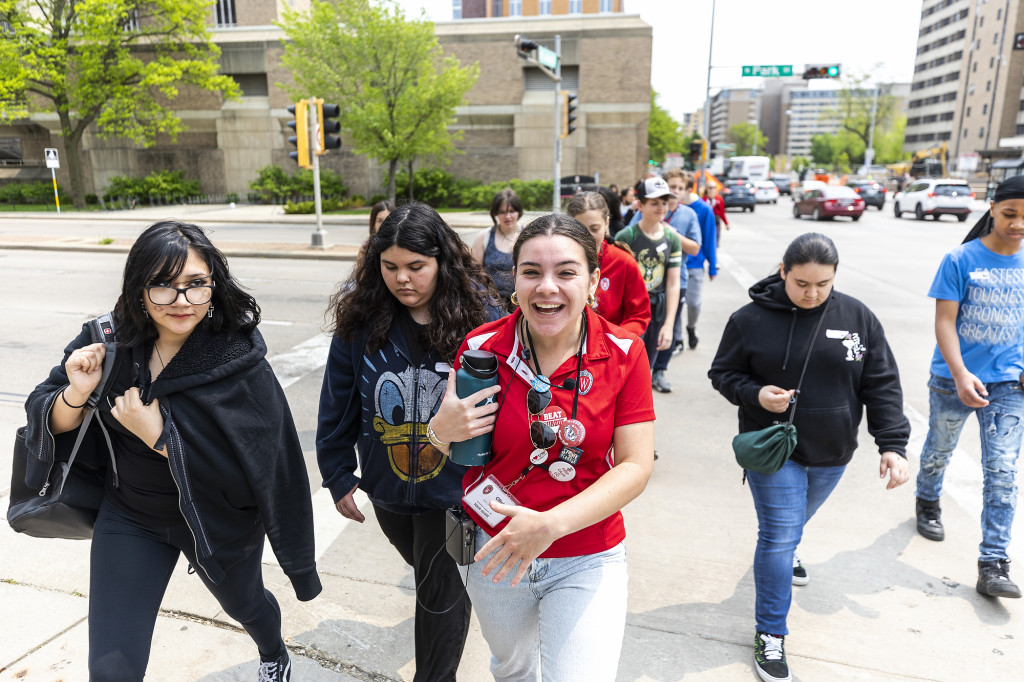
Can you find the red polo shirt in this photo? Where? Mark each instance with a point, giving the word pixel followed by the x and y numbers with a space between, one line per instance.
pixel 621 293
pixel 615 390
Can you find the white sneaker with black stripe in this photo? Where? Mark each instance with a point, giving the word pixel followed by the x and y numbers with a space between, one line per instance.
pixel 800 576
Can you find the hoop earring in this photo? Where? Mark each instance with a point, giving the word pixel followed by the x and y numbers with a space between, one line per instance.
pixel 209 312
pixel 514 298
pixel 591 301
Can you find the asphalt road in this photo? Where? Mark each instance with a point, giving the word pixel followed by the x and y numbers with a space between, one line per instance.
pixel 883 603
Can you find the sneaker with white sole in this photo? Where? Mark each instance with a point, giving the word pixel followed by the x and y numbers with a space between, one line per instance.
pixel 770 658
pixel 277 670
pixel 800 576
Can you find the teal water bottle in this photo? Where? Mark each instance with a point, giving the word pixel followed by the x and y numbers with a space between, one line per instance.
pixel 478 370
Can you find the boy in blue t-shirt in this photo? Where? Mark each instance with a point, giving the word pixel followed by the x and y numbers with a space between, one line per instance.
pixel 978 367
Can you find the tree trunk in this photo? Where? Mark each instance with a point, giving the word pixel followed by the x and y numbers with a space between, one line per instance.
pixel 410 181
pixel 392 170
pixel 72 150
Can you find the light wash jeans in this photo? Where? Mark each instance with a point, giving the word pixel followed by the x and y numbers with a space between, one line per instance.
pixel 563 622
pixel 785 501
pixel 694 296
pixel 1000 425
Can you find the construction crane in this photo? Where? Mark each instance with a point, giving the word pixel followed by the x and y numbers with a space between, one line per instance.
pixel 929 163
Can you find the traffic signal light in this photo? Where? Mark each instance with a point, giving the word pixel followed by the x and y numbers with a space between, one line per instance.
pixel 568 107
pixel 327 116
pixel 696 150
pixel 300 110
pixel 821 71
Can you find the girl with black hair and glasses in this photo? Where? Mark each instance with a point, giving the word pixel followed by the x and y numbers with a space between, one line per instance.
pixel 397 322
pixel 573 443
pixel 208 459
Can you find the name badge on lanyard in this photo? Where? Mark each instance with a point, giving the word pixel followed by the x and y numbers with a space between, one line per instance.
pixel 480 496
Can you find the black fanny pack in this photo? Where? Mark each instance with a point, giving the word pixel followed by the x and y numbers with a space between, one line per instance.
pixel 658 306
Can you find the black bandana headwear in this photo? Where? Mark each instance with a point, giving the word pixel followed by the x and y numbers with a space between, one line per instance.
pixel 1010 188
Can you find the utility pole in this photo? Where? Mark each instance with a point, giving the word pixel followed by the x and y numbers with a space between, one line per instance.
pixel 869 153
pixel 556 203
pixel 707 102
pixel 317 240
pixel 546 60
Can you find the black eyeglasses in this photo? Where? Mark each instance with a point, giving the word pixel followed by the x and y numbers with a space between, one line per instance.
pixel 160 294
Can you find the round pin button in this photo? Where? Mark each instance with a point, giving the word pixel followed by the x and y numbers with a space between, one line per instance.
pixel 539 456
pixel 571 432
pixel 562 471
pixel 541 384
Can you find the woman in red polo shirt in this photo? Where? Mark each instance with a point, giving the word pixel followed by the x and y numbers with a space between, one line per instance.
pixel 573 442
pixel 621 293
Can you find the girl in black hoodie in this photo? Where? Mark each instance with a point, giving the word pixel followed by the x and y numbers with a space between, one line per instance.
pixel 851 368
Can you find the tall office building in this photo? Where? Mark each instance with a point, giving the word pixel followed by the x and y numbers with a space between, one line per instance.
pixel 967 89
pixel 492 9
pixel 730 107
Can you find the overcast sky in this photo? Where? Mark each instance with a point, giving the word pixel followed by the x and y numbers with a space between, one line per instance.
pixel 859 35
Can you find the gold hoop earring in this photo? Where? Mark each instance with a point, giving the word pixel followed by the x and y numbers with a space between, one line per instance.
pixel 591 301
pixel 514 298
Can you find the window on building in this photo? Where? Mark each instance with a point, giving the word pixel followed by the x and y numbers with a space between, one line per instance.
pixel 252 84
pixel 984 109
pixel 995 38
pixel 999 14
pixel 945 136
pixel 224 13
pixel 991 62
pixel 456 9
pixel 606 6
pixel 1021 105
pixel 948 116
pixel 965 133
pixel 10 151
pixel 988 86
pixel 968 112
pixel 981 21
pixel 974 69
pixel 535 80
pixel 575 6
pixel 1020 129
pixel 978 46
pixel 981 131
pixel 496 8
pixel 544 7
pixel 515 8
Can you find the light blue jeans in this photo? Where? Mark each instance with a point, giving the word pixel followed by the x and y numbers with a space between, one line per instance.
pixel 785 501
pixel 563 622
pixel 1001 429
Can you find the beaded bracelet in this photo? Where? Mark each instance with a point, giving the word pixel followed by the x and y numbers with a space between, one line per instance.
pixel 434 440
pixel 73 407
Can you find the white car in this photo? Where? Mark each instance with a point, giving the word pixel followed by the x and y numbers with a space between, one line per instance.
pixel 766 192
pixel 935 197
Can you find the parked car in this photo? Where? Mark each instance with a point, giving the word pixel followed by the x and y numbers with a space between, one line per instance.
pixel 935 197
pixel 828 201
pixel 739 193
pixel 784 183
pixel 765 192
pixel 873 193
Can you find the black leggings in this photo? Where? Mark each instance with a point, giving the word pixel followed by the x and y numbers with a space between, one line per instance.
pixel 440 637
pixel 131 564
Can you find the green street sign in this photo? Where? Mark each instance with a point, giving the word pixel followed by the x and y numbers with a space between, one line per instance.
pixel 769 70
pixel 546 57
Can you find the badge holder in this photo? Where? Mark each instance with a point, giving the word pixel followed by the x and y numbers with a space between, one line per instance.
pixel 460 535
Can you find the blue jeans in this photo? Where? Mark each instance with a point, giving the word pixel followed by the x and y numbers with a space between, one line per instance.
pixel 563 622
pixel 1000 425
pixel 663 356
pixel 785 501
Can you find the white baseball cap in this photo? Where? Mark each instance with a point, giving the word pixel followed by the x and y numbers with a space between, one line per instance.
pixel 654 188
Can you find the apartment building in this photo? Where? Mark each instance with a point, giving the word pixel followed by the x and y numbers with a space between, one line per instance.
pixel 968 86
pixel 730 107
pixel 506 121
pixel 492 9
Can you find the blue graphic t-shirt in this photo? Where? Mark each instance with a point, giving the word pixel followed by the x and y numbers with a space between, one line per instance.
pixel 990 322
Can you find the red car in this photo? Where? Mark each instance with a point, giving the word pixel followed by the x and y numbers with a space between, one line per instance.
pixel 825 203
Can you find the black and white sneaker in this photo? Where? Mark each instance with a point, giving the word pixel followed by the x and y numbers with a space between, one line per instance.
pixel 277 670
pixel 770 658
pixel 800 576
pixel 994 579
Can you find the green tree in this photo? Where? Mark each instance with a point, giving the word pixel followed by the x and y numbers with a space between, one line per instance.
pixel 822 153
pixel 743 136
pixel 799 164
pixel 853 115
pixel 397 91
pixel 118 64
pixel 664 134
pixel 889 143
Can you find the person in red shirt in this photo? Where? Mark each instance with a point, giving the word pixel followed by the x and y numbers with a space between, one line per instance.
pixel 573 442
pixel 712 196
pixel 621 293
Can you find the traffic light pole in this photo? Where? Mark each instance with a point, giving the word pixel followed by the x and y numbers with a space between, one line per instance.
pixel 317 240
pixel 556 203
pixel 703 180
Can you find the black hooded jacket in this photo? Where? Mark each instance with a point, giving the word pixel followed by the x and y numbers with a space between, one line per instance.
pixel 232 448
pixel 851 368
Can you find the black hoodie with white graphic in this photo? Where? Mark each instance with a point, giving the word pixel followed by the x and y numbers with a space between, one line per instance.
pixel 851 368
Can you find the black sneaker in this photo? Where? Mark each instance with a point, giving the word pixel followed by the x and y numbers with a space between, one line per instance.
pixel 770 658
pixel 994 579
pixel 929 520
pixel 800 576
pixel 659 382
pixel 691 336
pixel 277 670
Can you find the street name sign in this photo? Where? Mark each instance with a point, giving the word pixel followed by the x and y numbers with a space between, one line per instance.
pixel 769 70
pixel 547 57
